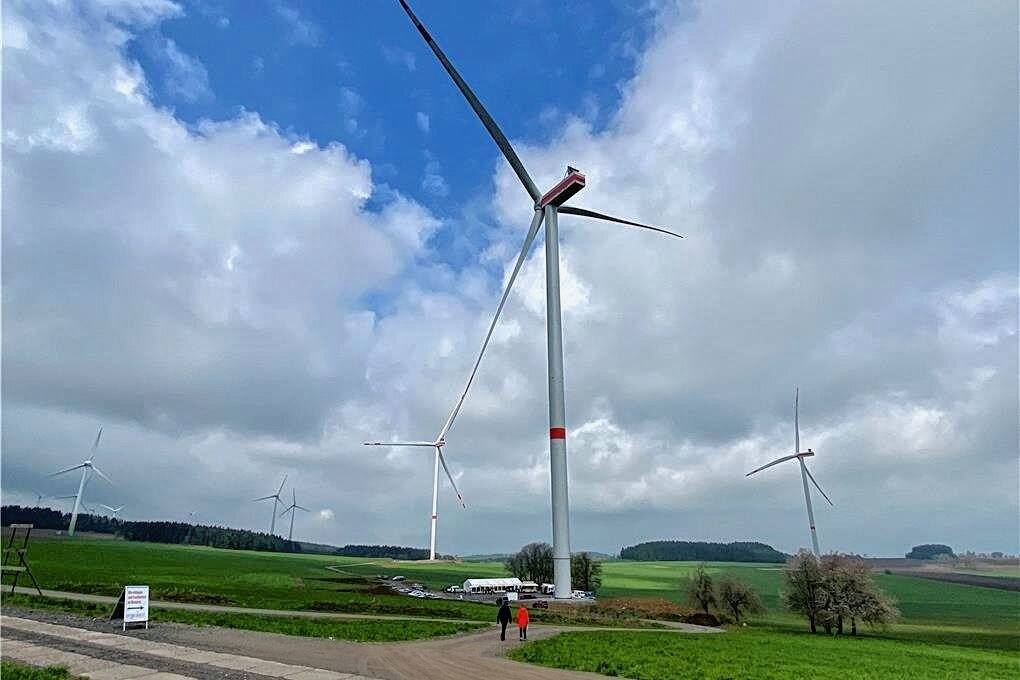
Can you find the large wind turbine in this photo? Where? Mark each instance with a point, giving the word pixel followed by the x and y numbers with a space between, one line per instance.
pixel 805 474
pixel 86 466
pixel 291 509
pixel 546 208
pixel 276 499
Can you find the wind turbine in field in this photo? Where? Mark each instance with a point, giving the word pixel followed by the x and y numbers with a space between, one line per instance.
pixel 86 466
pixel 547 208
pixel 805 474
pixel 438 458
pixel 291 509
pixel 276 499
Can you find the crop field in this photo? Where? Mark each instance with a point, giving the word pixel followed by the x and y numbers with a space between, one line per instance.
pixel 946 629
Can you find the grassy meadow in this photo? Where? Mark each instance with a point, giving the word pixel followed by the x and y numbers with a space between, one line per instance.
pixel 946 629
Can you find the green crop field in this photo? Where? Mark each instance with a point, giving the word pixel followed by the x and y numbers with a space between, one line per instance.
pixel 947 629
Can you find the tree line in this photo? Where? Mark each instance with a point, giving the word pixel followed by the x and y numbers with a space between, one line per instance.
pixel 534 562
pixel 152 532
pixel 703 551
pixel 396 552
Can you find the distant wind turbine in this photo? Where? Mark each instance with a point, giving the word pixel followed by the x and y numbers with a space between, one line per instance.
pixel 86 466
pixel 112 511
pixel 805 474
pixel 39 498
pixel 276 499
pixel 291 509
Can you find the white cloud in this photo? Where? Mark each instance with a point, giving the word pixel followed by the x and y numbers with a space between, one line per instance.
pixel 395 55
pixel 206 301
pixel 325 515
pixel 422 119
pixel 301 30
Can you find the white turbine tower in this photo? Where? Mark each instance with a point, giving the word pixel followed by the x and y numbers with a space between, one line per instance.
pixel 546 208
pixel 86 467
pixel 438 458
pixel 276 499
pixel 291 509
pixel 805 474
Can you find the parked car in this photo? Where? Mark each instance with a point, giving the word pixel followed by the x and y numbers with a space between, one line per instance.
pixel 453 589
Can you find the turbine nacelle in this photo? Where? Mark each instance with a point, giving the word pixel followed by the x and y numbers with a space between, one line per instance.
pixel 567 187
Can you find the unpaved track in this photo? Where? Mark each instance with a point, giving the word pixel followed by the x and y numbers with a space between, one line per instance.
pixel 466 657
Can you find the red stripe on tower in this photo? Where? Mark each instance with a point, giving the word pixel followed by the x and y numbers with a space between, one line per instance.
pixel 557 433
pixel 435 516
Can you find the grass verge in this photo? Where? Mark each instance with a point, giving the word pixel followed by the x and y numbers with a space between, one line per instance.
pixel 355 630
pixel 766 655
pixel 10 670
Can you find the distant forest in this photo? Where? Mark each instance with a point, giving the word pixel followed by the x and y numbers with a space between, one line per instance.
pixel 396 552
pixel 153 532
pixel 740 551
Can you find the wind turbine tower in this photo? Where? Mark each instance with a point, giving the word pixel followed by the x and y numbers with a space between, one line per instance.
pixel 291 509
pixel 86 466
pixel 547 208
pixel 805 474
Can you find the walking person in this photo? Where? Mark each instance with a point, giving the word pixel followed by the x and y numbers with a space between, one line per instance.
pixel 503 619
pixel 522 622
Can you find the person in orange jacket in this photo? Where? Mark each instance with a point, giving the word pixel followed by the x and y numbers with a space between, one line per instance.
pixel 522 622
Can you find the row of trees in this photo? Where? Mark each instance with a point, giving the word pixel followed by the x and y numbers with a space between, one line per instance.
pixel 738 551
pixel 534 562
pixel 834 592
pixel 152 532
pixel 396 552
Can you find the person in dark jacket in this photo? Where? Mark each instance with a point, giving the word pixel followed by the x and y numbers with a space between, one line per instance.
pixel 503 619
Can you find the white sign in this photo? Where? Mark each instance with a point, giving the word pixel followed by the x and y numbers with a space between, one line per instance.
pixel 136 605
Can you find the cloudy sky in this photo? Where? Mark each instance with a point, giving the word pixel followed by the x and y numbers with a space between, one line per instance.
pixel 245 239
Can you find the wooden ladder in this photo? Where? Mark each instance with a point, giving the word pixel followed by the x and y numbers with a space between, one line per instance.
pixel 11 551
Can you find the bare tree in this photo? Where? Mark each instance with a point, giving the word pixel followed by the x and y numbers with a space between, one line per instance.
pixel 699 589
pixel 835 591
pixel 738 597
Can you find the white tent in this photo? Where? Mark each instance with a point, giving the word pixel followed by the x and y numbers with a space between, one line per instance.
pixel 492 585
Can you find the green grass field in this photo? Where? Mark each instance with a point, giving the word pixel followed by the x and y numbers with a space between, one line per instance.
pixel 759 655
pixel 946 630
pixel 355 630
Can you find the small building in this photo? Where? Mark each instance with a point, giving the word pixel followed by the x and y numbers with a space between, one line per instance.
pixel 487 586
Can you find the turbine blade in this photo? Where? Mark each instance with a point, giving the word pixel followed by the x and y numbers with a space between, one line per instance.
pixel 490 125
pixel 95 444
pixel 812 478
pixel 300 507
pixel 285 512
pixel 777 461
pixel 796 420
pixel 582 212
pixel 398 443
pixel 450 477
pixel 281 485
pixel 536 222
pixel 100 473
pixel 60 472
pixel 264 498
pixel 293 495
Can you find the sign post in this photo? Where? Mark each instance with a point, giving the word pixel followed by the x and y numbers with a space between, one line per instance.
pixel 133 606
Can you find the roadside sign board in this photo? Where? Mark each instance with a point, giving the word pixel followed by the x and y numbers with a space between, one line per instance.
pixel 133 606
